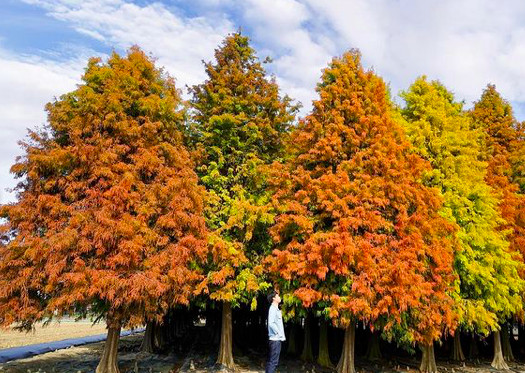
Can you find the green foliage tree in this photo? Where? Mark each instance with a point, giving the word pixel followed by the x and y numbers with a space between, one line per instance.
pixel 240 125
pixel 489 286
pixel 502 147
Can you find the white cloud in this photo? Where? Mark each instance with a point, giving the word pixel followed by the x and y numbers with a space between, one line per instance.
pixel 466 44
pixel 280 28
pixel 180 43
pixel 28 83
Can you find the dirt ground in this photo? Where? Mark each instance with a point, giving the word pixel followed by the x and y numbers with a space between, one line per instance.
pixel 83 359
pixel 55 331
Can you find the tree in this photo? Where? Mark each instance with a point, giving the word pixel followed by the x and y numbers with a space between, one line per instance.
pixel 357 234
pixel 307 354
pixel 489 285
pixel 502 147
pixel 109 218
pixel 323 356
pixel 517 157
pixel 373 351
pixel 240 123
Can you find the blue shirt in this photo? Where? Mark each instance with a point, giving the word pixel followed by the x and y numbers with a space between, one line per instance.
pixel 275 324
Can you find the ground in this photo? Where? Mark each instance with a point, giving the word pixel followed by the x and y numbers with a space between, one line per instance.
pixel 85 358
pixel 55 331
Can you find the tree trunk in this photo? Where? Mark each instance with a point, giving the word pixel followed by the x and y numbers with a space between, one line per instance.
pixel 323 359
pixel 307 354
pixel 147 341
pixel 373 352
pixel 428 360
pixel 498 362
pixel 346 362
pixel 505 343
pixel 457 351
pixel 225 357
pixel 109 361
pixel 217 330
pixel 159 336
pixel 292 345
pixel 179 326
pixel 473 350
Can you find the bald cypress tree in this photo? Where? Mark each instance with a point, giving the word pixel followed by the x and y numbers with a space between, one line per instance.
pixel 109 218
pixel 357 234
pixel 489 284
pixel 502 147
pixel 240 124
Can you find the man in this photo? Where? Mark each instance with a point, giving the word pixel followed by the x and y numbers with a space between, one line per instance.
pixel 275 332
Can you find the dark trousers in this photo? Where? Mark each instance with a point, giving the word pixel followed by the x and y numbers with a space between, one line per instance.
pixel 274 350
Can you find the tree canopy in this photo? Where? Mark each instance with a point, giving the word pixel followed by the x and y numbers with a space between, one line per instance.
pixel 109 217
pixel 441 131
pixel 502 146
pixel 356 231
pixel 240 123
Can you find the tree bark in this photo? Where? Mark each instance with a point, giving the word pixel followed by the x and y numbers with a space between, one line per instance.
pixel 346 362
pixel 473 350
pixel 159 336
pixel 505 343
pixel 498 362
pixel 179 325
pixel 428 360
pixel 373 352
pixel 109 360
pixel 147 341
pixel 457 351
pixel 323 359
pixel 307 354
pixel 292 342
pixel 225 357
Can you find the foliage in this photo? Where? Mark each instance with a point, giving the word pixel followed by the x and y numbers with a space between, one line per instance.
pixel 240 123
pixel 503 147
pixel 356 231
pixel 109 217
pixel 489 284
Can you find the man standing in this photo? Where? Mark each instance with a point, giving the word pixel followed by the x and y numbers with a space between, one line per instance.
pixel 275 332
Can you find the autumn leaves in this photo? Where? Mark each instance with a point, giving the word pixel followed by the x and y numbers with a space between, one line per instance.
pixel 359 236
pixel 109 216
pixel 408 219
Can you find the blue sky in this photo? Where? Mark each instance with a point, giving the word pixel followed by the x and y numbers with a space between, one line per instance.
pixel 44 45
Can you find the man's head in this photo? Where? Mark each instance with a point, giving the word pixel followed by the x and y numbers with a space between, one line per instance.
pixel 274 297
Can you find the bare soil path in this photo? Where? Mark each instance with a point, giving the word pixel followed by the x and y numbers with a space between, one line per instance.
pixel 85 359
pixel 54 331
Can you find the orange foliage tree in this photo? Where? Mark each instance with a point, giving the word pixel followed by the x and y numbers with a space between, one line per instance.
pixel 109 214
pixel 357 234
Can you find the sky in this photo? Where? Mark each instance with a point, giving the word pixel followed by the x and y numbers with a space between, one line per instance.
pixel 45 44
